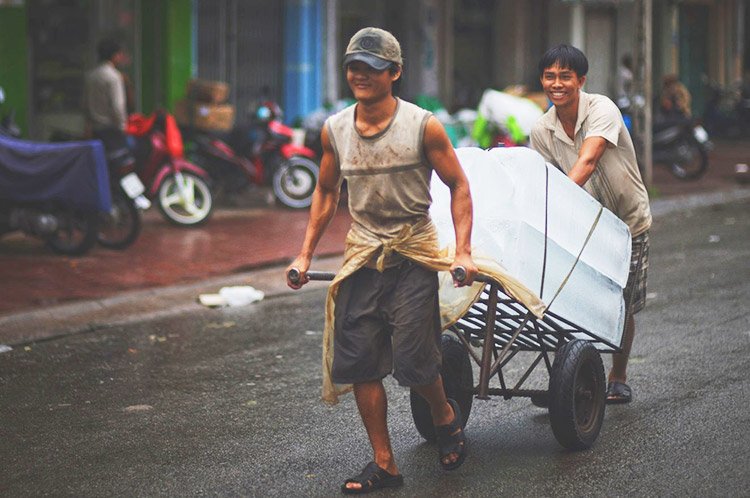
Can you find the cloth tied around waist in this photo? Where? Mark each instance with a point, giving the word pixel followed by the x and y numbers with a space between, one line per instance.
pixel 419 243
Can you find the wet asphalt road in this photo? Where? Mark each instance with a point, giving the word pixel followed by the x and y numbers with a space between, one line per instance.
pixel 225 402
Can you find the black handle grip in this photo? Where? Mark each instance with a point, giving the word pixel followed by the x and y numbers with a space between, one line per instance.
pixel 459 274
pixel 294 275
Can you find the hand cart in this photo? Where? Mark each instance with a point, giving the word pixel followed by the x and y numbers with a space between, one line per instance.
pixel 497 329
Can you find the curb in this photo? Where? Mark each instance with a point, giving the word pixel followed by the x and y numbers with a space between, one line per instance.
pixel 162 302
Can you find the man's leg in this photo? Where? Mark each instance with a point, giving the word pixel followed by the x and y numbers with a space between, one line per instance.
pixel 441 410
pixel 373 408
pixel 618 373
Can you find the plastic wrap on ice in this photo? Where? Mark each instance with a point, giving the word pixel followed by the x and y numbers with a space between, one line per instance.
pixel 510 193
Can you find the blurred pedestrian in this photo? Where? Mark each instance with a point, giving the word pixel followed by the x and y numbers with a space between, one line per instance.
pixel 585 136
pixel 105 97
pixel 386 315
pixel 674 98
pixel 624 79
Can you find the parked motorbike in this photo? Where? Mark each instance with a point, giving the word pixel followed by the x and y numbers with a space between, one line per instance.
pixel 679 143
pixel 179 187
pixel 259 154
pixel 121 226
pixel 682 146
pixel 46 190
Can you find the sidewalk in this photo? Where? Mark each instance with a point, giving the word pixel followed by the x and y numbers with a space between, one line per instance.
pixel 44 295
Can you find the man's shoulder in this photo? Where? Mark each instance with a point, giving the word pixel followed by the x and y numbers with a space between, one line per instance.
pixel 546 120
pixel 342 114
pixel 599 103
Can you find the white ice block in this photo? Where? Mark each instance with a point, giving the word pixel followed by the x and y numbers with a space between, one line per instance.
pixel 510 194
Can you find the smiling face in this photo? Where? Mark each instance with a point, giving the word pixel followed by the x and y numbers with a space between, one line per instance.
pixel 367 83
pixel 562 86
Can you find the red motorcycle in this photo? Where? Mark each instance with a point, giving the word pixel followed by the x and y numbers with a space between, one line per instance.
pixel 176 185
pixel 260 154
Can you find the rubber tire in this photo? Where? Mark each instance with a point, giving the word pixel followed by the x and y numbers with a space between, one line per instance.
pixel 131 216
pixel 692 174
pixel 458 382
pixel 295 166
pixel 84 223
pixel 177 218
pixel 577 373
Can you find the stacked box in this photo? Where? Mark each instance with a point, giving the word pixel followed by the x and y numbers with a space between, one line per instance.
pixel 204 106
pixel 210 92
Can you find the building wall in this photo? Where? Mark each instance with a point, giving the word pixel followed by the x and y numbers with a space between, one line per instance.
pixel 14 67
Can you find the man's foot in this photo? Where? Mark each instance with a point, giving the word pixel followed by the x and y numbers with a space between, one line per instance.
pixel 618 392
pixel 372 478
pixel 451 440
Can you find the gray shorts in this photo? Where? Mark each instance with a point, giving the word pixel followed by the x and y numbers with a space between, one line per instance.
pixel 637 277
pixel 387 322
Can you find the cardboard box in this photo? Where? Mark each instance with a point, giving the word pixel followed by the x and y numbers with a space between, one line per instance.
pixel 211 92
pixel 213 117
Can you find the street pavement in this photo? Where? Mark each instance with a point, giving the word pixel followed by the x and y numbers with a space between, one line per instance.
pixel 226 402
pixel 45 295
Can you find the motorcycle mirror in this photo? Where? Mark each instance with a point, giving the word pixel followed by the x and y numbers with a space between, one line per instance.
pixel 2 95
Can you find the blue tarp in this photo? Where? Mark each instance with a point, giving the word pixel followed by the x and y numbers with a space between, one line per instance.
pixel 71 172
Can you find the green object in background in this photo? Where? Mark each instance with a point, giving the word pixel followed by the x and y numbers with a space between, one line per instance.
pixel 482 132
pixel 14 66
pixel 515 131
pixel 177 55
pixel 428 103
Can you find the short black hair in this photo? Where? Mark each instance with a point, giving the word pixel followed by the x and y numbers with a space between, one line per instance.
pixel 567 57
pixel 107 48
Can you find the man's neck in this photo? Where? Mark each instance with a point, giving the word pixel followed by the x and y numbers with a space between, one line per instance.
pixel 568 114
pixel 568 117
pixel 373 117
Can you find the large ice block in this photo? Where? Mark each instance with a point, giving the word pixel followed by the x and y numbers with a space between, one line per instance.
pixel 512 189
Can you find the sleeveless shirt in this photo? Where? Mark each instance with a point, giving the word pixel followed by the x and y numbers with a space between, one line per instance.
pixel 387 174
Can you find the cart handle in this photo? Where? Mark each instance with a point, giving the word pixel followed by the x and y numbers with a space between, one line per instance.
pixel 294 275
pixel 459 274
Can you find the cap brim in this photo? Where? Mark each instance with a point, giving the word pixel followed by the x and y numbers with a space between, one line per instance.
pixel 369 59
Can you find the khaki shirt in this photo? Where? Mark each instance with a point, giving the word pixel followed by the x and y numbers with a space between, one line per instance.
pixel 616 181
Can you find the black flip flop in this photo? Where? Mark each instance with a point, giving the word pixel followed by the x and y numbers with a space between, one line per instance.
pixel 452 439
pixel 618 393
pixel 372 478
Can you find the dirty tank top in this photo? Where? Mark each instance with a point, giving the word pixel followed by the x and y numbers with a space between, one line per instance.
pixel 387 174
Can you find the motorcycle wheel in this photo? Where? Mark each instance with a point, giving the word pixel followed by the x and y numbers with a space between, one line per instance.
pixel 692 168
pixel 185 199
pixel 294 182
pixel 76 234
pixel 120 227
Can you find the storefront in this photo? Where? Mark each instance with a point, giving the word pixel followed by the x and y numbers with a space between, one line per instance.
pixel 56 42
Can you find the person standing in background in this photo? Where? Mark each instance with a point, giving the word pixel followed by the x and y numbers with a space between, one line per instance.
pixel 625 78
pixel 105 98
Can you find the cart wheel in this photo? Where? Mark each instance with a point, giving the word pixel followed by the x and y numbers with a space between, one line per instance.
pixel 576 395
pixel 458 382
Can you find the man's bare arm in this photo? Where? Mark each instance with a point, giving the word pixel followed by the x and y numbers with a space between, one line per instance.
pixel 324 202
pixel 442 157
pixel 592 150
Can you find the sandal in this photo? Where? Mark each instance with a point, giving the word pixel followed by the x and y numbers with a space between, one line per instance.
pixel 618 392
pixel 451 439
pixel 372 478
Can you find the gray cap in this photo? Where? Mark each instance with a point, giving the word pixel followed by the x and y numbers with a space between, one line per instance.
pixel 375 47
